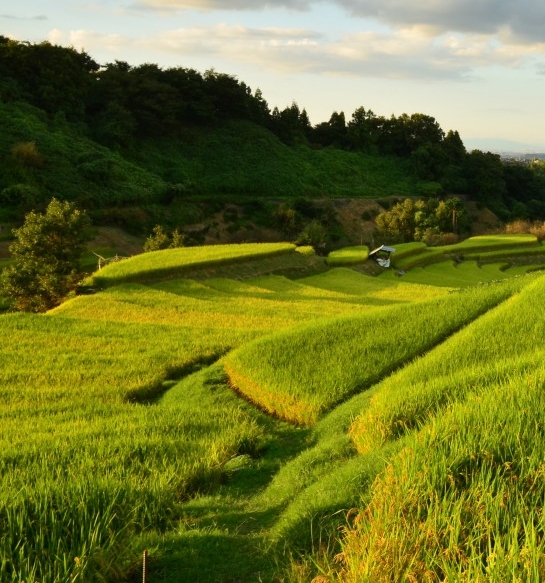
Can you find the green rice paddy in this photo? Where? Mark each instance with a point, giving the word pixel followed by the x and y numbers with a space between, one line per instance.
pixel 230 426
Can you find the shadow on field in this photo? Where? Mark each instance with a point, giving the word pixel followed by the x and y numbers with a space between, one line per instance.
pixel 219 536
pixel 211 557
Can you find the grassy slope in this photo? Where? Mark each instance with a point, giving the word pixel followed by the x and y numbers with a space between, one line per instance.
pixel 275 488
pixel 74 167
pixel 463 499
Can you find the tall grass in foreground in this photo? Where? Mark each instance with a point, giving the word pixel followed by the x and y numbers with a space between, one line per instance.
pixel 84 466
pixel 464 500
pixel 81 467
pixel 298 374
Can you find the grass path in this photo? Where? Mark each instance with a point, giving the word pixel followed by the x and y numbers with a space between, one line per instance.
pixel 222 533
pixel 244 525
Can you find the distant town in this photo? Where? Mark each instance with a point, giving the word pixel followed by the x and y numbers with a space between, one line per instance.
pixel 517 158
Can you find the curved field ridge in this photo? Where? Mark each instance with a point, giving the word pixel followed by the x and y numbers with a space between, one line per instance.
pixel 463 501
pixel 484 247
pixel 171 262
pixel 486 352
pixel 299 374
pixel 489 242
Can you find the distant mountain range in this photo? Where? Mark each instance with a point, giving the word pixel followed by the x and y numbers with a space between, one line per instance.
pixel 505 147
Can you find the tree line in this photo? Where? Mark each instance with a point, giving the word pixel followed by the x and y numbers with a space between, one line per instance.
pixel 120 104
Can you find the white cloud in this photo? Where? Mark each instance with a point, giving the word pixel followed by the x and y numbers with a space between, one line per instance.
pixel 88 40
pixel 409 53
pixel 215 5
pixel 476 32
pixel 525 18
pixel 406 53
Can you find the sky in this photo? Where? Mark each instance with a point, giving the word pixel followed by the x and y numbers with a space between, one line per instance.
pixel 476 66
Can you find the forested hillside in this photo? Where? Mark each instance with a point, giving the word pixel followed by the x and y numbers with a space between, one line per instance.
pixel 161 141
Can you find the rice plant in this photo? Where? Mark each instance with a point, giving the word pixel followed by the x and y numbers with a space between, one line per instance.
pixel 101 447
pixel 463 500
pixel 172 262
pixel 73 432
pixel 299 374
pixel 461 365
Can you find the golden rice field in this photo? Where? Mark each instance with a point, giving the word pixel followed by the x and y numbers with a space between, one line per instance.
pixel 158 264
pixel 299 374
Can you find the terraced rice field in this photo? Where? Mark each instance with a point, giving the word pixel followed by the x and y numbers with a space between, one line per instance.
pixel 227 426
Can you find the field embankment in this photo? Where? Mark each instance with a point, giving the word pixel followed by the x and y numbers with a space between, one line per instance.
pixel 157 265
pixel 483 248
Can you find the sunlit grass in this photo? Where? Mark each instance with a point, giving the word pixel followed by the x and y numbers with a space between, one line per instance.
pixel 537 251
pixel 372 290
pixel 297 375
pixel 463 499
pixel 99 445
pixel 192 304
pixel 486 247
pixel 348 256
pixel 451 274
pixel 74 427
pixel 171 262
pixel 422 257
pixel 492 241
pixel 486 352
pixel 78 456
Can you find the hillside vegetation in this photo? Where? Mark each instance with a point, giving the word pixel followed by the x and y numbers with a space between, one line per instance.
pixel 42 157
pixel 138 145
pixel 124 428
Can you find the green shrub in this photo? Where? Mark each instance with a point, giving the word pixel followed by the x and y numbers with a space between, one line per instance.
pixel 46 256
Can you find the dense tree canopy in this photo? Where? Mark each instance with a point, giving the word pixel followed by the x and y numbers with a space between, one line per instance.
pixel 120 104
pixel 422 220
pixel 48 76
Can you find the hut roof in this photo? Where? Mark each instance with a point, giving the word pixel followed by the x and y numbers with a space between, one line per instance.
pixel 384 248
